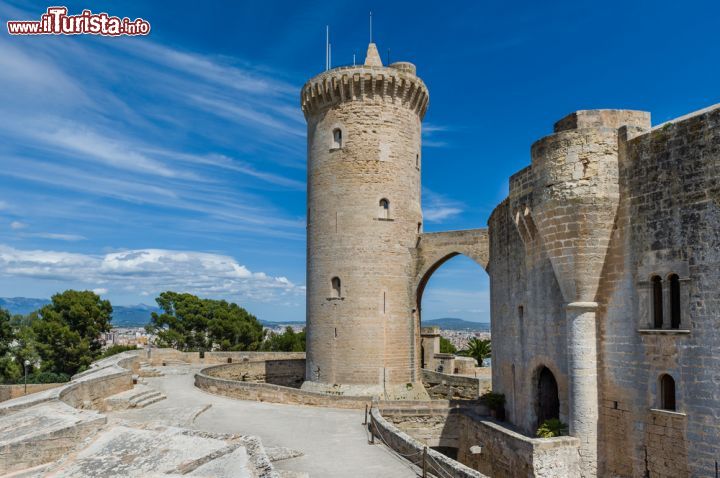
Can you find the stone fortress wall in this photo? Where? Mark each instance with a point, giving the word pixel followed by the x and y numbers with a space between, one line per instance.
pixel 612 221
pixel 607 204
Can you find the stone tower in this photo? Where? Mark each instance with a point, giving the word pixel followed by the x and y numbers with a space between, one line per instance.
pixel 576 200
pixel 363 224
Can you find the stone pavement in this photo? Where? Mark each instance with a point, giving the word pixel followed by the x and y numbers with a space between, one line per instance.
pixel 333 441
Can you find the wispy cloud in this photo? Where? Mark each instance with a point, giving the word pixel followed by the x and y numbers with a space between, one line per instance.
pixel 430 135
pixel 204 134
pixel 437 207
pixel 56 236
pixel 15 225
pixel 148 270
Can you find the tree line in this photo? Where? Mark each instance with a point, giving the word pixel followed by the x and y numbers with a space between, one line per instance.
pixel 64 337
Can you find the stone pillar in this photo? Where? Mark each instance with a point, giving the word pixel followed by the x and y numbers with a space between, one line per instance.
pixel 582 361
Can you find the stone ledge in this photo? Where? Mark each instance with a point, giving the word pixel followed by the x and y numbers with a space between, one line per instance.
pixel 672 413
pixel 663 331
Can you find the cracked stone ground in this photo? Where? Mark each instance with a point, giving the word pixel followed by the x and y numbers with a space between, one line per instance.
pixel 333 442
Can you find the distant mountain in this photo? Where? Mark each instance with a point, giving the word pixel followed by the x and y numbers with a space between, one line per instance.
pixel 123 316
pixel 132 315
pixel 451 323
pixel 21 305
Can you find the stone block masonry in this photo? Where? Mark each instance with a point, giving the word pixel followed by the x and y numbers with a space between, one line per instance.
pixel 604 267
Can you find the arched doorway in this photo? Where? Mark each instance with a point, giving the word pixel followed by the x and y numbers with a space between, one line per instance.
pixel 548 400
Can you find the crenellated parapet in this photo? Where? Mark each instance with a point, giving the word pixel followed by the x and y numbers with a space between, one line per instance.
pixel 394 84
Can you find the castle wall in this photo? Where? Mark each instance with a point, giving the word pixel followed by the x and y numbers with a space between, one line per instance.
pixel 668 222
pixel 524 342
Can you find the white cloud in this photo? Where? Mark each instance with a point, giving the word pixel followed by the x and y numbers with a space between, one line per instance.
pixel 57 236
pixel 15 225
pixel 100 291
pixel 438 208
pixel 149 271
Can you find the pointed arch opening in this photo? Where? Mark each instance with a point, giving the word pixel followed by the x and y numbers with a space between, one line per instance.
pixel 548 399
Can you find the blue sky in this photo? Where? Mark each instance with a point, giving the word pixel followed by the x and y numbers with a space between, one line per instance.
pixel 177 161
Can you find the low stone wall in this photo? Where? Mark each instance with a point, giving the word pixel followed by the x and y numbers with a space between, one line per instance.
pixel 8 392
pixel 436 428
pixel 60 425
pixel 414 450
pixel 505 453
pixel 158 356
pixel 488 446
pixel 446 386
pixel 266 392
pixel 285 372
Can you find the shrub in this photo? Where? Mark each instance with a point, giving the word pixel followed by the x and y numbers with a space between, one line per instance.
pixel 551 428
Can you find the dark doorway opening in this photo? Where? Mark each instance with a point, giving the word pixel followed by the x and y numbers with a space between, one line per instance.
pixel 548 401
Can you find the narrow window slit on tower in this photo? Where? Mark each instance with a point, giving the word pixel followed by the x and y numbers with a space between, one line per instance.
pixel 336 287
pixel 657 303
pixel 384 301
pixel 674 301
pixel 667 392
pixel 337 142
pixel 384 211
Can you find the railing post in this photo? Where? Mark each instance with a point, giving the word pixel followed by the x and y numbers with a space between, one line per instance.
pixel 424 463
pixel 366 410
pixel 370 429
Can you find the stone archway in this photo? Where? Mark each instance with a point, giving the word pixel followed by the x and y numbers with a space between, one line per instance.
pixel 436 248
pixel 432 251
pixel 548 398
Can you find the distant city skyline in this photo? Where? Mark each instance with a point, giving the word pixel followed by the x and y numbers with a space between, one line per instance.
pixel 176 161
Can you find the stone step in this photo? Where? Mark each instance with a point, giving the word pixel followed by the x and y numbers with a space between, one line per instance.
pixel 138 397
pixel 149 400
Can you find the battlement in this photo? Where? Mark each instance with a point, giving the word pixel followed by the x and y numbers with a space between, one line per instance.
pixel 603 119
pixel 396 84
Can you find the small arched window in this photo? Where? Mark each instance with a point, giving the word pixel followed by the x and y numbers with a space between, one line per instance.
pixel 674 301
pixel 336 287
pixel 667 392
pixel 337 137
pixel 521 311
pixel 657 303
pixel 417 160
pixel 384 211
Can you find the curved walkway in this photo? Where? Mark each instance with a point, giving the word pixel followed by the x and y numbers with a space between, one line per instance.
pixel 334 441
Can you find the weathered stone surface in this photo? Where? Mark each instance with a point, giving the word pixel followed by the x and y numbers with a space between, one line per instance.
pixel 606 204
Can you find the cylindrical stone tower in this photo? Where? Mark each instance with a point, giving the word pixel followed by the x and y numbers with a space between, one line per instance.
pixel 576 203
pixel 363 222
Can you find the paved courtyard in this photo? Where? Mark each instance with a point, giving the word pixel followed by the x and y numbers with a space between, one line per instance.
pixel 333 441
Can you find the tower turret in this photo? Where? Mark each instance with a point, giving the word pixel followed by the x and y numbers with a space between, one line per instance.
pixel 364 217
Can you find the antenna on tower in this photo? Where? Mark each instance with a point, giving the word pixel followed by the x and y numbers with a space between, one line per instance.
pixel 370 26
pixel 327 47
pixel 329 55
pixel 353 59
